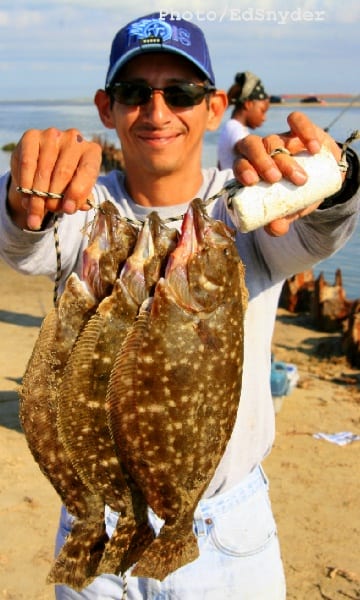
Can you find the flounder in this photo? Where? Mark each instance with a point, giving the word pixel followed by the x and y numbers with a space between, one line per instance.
pixel 39 399
pixel 175 386
pixel 82 420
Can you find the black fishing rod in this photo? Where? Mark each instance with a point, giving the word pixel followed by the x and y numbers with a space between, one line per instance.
pixel 342 112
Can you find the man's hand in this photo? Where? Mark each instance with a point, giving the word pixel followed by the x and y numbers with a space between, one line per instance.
pixel 60 162
pixel 255 162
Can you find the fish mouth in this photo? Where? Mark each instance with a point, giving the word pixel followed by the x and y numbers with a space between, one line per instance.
pixel 186 247
pixel 145 265
pixel 189 271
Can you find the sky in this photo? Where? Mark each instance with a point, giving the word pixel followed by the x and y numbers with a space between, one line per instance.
pixel 59 49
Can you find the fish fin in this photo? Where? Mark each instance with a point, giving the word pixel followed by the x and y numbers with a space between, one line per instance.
pixel 143 534
pixel 168 552
pixel 125 547
pixel 132 534
pixel 38 369
pixel 74 400
pixel 124 375
pixel 142 539
pixel 77 562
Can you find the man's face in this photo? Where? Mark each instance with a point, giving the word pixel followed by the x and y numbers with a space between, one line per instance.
pixel 155 137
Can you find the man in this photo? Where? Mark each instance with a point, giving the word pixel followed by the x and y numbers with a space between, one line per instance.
pixel 160 97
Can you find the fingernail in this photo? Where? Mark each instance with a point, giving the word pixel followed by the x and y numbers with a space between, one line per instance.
pixel 314 146
pixel 298 177
pixel 249 177
pixel 69 207
pixel 272 174
pixel 34 222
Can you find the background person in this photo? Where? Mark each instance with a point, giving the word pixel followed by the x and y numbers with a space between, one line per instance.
pixel 251 102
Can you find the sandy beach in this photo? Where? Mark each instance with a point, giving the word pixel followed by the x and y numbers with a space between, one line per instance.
pixel 315 485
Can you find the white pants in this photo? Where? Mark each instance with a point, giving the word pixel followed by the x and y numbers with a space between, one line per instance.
pixel 239 554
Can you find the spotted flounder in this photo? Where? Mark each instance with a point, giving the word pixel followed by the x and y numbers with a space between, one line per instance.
pixel 39 400
pixel 175 385
pixel 82 420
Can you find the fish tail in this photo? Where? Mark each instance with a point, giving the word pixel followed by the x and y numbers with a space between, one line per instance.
pixel 141 540
pixel 77 562
pixel 125 547
pixel 168 552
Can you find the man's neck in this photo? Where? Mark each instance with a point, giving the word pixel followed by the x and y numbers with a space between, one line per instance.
pixel 165 190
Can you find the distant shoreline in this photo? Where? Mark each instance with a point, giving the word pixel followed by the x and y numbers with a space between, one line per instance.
pixel 330 100
pixel 339 104
pixel 284 104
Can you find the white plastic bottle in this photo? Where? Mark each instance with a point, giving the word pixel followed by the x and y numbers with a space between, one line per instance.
pixel 251 207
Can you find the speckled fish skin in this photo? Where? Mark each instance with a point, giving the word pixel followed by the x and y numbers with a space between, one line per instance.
pixel 175 386
pixel 38 399
pixel 82 420
pixel 38 409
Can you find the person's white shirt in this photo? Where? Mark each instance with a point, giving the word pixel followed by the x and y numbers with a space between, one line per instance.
pixel 231 132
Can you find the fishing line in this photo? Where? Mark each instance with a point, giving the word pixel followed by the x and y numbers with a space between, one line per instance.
pixel 342 112
pixel 58 259
pixel 125 587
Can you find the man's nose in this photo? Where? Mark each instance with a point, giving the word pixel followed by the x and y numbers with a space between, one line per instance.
pixel 157 107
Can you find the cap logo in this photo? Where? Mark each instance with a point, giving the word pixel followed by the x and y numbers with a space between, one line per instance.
pixel 151 40
pixel 157 31
pixel 150 28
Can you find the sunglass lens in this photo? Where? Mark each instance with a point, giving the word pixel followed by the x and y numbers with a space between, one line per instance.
pixel 184 95
pixel 131 94
pixel 181 95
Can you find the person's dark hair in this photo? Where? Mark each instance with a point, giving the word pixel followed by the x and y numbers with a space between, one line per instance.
pixel 246 86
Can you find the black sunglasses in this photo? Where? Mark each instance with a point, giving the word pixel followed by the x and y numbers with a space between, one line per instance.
pixel 177 95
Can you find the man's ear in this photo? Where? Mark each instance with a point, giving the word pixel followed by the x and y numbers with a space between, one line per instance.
pixel 103 104
pixel 217 106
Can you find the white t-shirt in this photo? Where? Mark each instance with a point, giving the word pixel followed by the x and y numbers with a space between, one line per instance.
pixel 231 132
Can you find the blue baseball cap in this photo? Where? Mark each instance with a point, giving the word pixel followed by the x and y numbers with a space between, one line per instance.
pixel 159 33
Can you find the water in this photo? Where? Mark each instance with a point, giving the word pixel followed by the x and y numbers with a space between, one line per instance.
pixel 16 117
